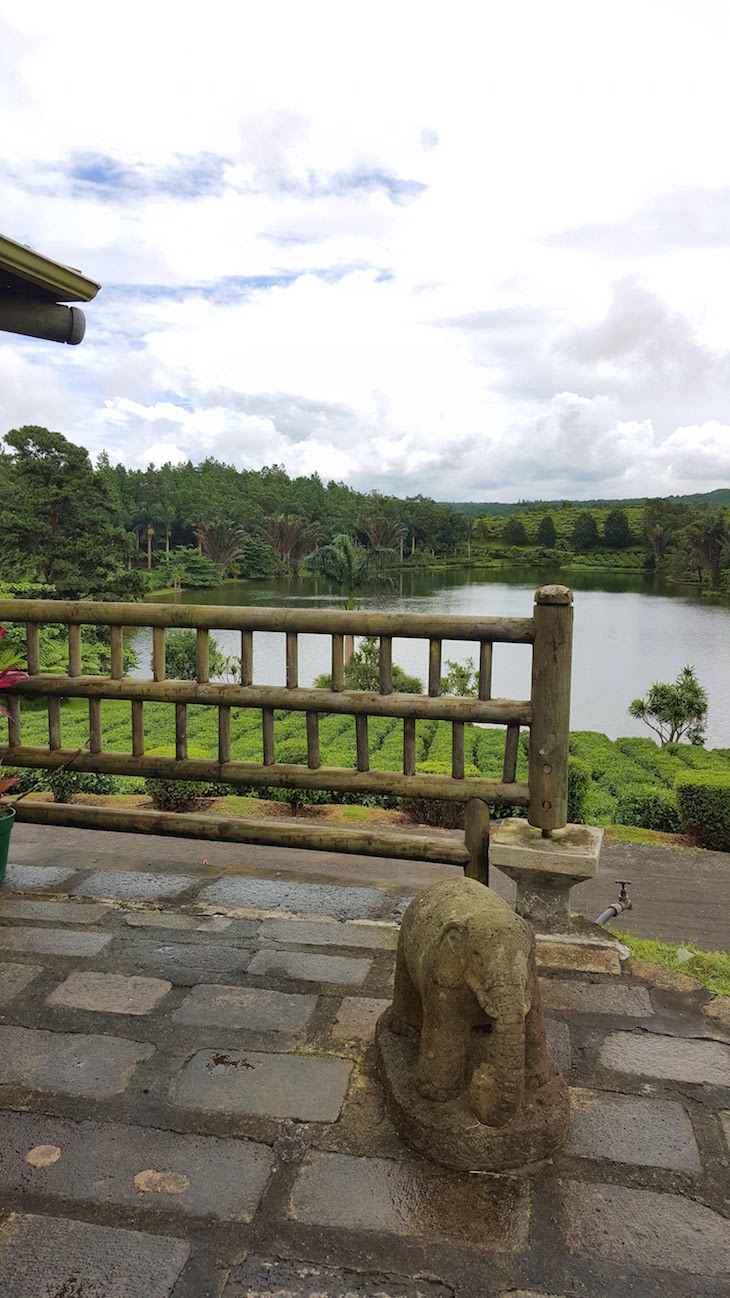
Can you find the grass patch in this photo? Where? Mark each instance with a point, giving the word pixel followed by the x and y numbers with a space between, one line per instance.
pixel 635 834
pixel 711 968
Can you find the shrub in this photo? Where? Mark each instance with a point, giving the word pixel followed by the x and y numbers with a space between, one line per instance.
pixel 435 811
pixel 704 808
pixel 66 784
pixel 579 782
pixel 174 795
pixel 650 807
pixel 180 656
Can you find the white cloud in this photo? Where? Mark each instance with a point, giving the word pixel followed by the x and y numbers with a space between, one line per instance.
pixel 460 255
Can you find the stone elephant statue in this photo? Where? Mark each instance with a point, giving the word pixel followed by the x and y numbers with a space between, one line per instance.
pixel 466 961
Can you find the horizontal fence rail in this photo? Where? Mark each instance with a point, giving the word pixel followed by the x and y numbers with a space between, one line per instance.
pixel 545 714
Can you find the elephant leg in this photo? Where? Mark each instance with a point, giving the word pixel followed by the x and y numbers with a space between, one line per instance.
pixel 406 1014
pixel 538 1068
pixel 444 1043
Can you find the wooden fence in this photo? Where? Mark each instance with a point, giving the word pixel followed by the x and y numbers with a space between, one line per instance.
pixel 546 714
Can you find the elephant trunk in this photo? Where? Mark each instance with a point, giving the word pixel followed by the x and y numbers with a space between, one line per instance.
pixel 497 1088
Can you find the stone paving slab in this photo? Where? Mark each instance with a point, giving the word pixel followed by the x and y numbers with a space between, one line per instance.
pixel 52 1257
pixel 306 1087
pixel 108 993
pixel 596 998
pixel 639 1228
pixel 725 1120
pixel 28 878
pixel 302 932
pixel 410 1199
pixel 253 1009
pixel 311 968
pixel 627 1129
pixel 675 1059
pixel 94 1162
pixel 14 978
pixel 173 920
pixel 53 941
pixel 56 912
pixel 356 1018
pixel 580 954
pixel 264 1277
pixel 296 898
pixel 69 1063
pixel 186 963
pixel 133 885
pixel 557 1036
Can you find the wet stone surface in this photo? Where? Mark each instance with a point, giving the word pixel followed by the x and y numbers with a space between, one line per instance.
pixel 109 993
pixel 626 1129
pixel 411 1199
pixel 298 898
pixel 204 959
pixel 311 968
pixel 52 1257
pixel 28 878
pixel 69 1063
pixel 58 912
pixel 557 1036
pixel 262 1277
pixel 53 941
pixel 298 932
pixel 356 1018
pixel 640 1228
pixel 133 885
pixel 583 957
pixel 271 1086
pixel 254 1009
pixel 14 978
pixel 670 1058
pixel 170 919
pixel 198 1176
pixel 596 998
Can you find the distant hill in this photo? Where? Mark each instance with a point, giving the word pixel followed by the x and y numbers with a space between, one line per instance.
pixel 474 508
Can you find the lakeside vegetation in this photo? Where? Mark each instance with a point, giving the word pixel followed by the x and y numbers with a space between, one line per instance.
pixel 111 532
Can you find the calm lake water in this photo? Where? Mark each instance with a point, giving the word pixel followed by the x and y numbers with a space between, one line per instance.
pixel 629 632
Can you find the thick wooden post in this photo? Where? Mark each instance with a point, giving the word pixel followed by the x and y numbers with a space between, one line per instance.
pixel 476 826
pixel 550 730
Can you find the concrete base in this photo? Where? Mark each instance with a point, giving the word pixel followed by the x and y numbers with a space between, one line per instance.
pixel 545 869
pixel 450 1134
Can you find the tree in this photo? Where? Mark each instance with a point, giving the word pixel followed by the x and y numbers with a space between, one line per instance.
pixel 290 537
pixel 350 565
pixel 59 515
pixel 707 536
pixel 616 530
pixel 546 534
pixel 362 672
pixel 221 543
pixel 585 532
pixel 181 656
pixel 673 711
pixel 461 680
pixel 513 532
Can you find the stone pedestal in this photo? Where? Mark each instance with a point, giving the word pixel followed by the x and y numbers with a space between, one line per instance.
pixel 545 869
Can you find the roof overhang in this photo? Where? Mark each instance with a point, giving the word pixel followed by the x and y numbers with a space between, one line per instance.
pixel 33 291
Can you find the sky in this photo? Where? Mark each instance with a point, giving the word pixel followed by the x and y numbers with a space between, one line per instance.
pixel 476 250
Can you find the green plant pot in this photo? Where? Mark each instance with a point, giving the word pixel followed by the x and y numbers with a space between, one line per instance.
pixel 7 820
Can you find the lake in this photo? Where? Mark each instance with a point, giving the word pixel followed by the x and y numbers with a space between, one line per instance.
pixel 630 631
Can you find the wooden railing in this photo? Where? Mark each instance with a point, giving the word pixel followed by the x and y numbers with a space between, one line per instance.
pixel 546 714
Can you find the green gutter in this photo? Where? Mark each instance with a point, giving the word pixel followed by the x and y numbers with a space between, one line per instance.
pixel 56 283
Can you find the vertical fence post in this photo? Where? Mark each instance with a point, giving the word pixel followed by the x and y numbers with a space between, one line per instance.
pixel 550 730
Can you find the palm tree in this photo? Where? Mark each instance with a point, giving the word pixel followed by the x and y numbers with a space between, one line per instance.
pixel 350 565
pixel 707 537
pixel 382 534
pixel 222 542
pixel 290 536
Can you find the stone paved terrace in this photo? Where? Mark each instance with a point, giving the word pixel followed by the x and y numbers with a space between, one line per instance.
pixel 189 1107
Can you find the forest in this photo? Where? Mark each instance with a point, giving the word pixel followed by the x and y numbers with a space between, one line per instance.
pixel 73 528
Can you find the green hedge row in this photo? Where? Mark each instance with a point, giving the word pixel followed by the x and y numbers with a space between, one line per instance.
pixel 704 808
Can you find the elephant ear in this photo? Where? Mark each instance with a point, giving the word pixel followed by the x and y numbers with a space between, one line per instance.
pixel 451 954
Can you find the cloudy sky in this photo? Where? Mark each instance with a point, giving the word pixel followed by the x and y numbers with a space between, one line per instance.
pixel 478 250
